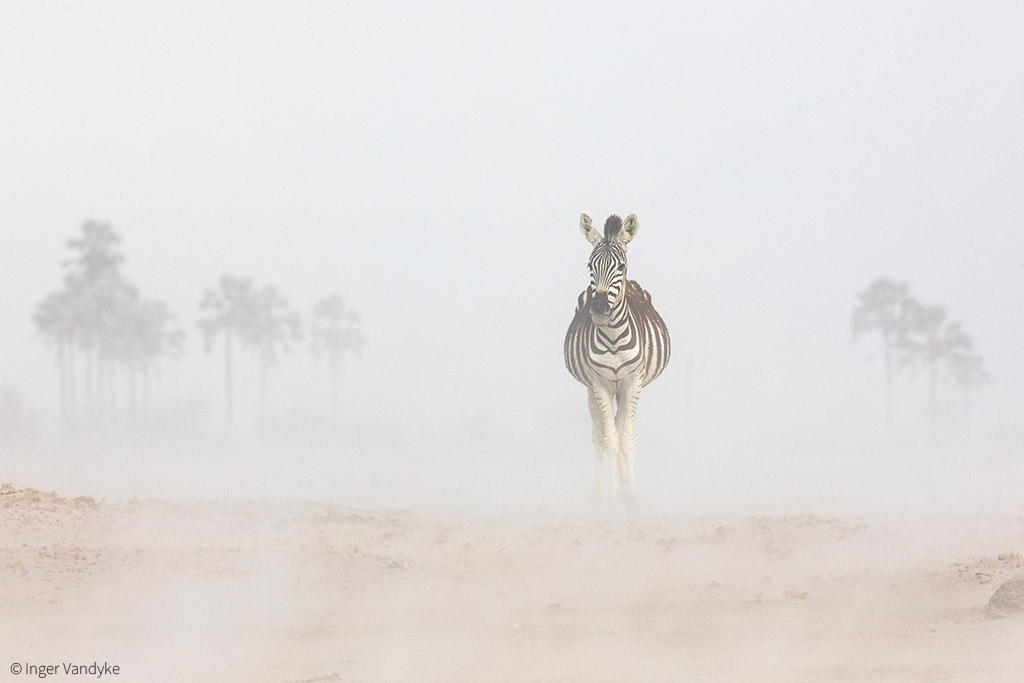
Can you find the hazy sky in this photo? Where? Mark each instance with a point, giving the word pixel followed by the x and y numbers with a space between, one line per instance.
pixel 429 161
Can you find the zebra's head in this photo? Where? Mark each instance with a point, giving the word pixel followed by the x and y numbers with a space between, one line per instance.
pixel 608 263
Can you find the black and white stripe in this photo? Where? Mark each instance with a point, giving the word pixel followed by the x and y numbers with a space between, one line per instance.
pixel 616 344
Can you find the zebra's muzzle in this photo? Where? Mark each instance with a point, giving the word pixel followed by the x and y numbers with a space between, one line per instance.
pixel 600 307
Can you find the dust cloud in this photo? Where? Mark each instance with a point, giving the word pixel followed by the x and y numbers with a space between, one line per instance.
pixel 307 591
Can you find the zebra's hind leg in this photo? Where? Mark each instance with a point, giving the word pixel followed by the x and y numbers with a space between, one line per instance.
pixel 606 443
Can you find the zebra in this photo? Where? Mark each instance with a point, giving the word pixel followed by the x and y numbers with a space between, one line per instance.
pixel 616 345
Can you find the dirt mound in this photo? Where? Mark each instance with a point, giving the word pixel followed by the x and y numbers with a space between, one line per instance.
pixel 1008 598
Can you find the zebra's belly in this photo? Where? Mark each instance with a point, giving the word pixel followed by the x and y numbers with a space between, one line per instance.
pixel 616 368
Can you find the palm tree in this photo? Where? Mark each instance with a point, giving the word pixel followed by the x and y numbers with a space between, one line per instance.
pixel 937 345
pixel 97 248
pixel 95 281
pixel 158 335
pixel 966 371
pixel 148 331
pixel 925 347
pixel 104 317
pixel 233 310
pixel 886 306
pixel 56 320
pixel 84 313
pixel 116 343
pixel 335 331
pixel 276 325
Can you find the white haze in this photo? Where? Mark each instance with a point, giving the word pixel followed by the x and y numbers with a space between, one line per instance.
pixel 429 161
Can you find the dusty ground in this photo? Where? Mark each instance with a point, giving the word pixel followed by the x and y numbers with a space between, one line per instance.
pixel 311 592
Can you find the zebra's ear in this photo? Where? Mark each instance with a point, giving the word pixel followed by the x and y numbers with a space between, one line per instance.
pixel 587 228
pixel 630 226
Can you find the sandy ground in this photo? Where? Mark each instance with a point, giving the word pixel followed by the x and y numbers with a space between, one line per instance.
pixel 314 592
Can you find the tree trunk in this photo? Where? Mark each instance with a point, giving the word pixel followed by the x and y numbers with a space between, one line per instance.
pixel 145 390
pixel 133 393
pixel 112 388
pixel 888 385
pixel 933 403
pixel 335 367
pixel 99 386
pixel 263 394
pixel 62 379
pixel 71 382
pixel 228 395
pixel 89 393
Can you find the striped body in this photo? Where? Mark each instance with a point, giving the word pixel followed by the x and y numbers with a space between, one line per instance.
pixel 616 345
pixel 636 349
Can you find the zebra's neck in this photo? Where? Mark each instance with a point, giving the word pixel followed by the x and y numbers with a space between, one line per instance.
pixel 618 322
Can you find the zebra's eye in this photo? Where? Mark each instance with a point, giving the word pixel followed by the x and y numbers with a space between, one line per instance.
pixel 622 267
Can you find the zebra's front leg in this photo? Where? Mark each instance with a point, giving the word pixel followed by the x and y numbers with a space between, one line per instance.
pixel 606 441
pixel 597 418
pixel 626 423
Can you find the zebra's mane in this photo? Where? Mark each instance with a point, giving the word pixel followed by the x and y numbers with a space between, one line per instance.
pixel 612 227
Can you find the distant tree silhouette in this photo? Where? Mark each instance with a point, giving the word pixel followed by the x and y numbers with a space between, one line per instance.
pixel 150 332
pixel 95 281
pixel 102 316
pixel 232 310
pixel 966 371
pixel 335 331
pixel 925 348
pixel 938 347
pixel 258 318
pixel 886 307
pixel 56 319
pixel 919 338
pixel 276 325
